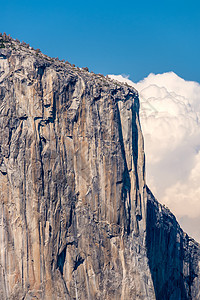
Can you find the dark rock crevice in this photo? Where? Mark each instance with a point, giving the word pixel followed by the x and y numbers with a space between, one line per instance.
pixel 61 260
pixel 79 260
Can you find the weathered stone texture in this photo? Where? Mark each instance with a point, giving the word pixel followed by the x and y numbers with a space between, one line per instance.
pixel 73 203
pixel 73 197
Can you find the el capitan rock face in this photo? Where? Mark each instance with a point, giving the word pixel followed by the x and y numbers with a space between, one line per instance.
pixel 74 218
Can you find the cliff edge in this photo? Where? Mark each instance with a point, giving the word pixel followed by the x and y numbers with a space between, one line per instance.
pixel 77 220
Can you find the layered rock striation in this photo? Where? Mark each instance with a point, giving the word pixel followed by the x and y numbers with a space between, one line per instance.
pixel 75 219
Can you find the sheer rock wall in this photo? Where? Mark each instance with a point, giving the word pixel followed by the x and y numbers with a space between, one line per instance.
pixel 174 257
pixel 74 221
pixel 73 196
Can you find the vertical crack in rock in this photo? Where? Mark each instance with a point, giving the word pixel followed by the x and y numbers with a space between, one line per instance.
pixel 134 185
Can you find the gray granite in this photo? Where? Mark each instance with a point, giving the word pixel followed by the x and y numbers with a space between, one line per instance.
pixel 75 219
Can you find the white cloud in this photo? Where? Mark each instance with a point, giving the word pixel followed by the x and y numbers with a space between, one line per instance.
pixel 170 119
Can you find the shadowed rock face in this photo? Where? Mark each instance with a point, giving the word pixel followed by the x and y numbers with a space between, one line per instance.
pixel 174 258
pixel 73 203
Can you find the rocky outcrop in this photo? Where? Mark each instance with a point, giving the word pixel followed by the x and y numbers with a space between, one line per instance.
pixel 74 219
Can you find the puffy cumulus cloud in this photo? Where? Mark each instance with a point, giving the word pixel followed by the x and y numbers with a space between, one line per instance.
pixel 170 119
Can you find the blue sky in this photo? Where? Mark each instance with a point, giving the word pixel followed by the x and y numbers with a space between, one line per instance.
pixel 112 37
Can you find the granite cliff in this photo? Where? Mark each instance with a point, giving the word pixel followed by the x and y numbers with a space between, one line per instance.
pixel 77 220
